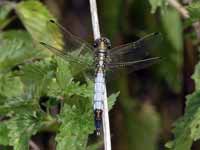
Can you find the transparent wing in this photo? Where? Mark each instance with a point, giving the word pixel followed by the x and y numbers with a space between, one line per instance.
pixel 71 42
pixel 70 57
pixel 134 65
pixel 72 48
pixel 135 51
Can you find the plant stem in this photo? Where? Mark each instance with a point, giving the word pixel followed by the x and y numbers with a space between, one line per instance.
pixel 179 8
pixel 96 33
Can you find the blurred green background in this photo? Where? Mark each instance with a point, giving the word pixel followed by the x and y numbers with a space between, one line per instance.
pixel 150 100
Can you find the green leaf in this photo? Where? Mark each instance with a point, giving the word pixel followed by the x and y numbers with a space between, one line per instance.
pixel 32 12
pixel 187 127
pixel 174 35
pixel 112 99
pixel 10 86
pixel 35 16
pixel 63 75
pixel 22 127
pixel 196 77
pixel 83 90
pixel 172 50
pixel 155 4
pixel 4 139
pixel 36 77
pixel 194 12
pixel 14 105
pixel 76 117
pixel 15 48
pixel 74 129
pixel 4 12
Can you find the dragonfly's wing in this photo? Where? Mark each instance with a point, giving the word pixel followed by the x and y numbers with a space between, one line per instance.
pixel 74 50
pixel 71 42
pixel 137 50
pixel 67 56
pixel 134 65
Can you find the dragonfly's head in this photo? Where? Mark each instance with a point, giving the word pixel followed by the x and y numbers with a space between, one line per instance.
pixel 102 43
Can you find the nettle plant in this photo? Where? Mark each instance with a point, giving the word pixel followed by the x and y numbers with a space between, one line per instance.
pixel 187 128
pixel 40 92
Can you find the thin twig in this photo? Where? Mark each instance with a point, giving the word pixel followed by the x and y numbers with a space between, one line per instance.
pixel 184 12
pixel 179 8
pixel 33 145
pixel 95 20
pixel 96 32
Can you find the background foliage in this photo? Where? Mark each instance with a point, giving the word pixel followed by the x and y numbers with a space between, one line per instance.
pixel 48 101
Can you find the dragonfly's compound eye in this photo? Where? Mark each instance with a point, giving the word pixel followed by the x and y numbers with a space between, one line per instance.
pixel 95 44
pixel 108 43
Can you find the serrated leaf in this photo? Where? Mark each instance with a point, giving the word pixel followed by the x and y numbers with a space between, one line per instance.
pixel 194 13
pixel 22 127
pixel 14 105
pixel 10 86
pixel 83 90
pixel 63 74
pixel 76 117
pixel 35 17
pixel 187 127
pixel 15 48
pixel 36 77
pixel 74 129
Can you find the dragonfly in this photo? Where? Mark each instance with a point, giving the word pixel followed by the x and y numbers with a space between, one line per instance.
pixel 132 56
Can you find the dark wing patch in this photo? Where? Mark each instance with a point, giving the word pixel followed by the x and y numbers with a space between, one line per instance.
pixel 135 51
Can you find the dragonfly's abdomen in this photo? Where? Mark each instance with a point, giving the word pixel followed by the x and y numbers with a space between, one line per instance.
pixel 99 90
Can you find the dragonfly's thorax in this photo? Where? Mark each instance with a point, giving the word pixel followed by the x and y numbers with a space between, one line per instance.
pixel 101 46
pixel 102 43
